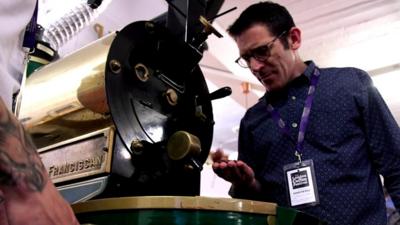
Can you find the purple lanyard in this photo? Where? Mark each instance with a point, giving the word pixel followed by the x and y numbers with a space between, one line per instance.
pixel 304 117
pixel 30 31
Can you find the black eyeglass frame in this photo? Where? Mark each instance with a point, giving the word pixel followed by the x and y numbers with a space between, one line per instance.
pixel 255 53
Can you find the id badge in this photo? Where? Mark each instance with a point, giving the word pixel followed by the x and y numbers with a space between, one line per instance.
pixel 301 184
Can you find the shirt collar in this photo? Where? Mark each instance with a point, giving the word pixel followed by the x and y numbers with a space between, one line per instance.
pixel 306 74
pixel 310 69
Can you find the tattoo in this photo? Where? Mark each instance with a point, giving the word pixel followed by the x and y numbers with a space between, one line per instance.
pixel 20 163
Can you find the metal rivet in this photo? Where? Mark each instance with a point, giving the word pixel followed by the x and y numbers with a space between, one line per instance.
pixel 115 66
pixel 142 73
pixel 149 26
pixel 137 147
pixel 171 96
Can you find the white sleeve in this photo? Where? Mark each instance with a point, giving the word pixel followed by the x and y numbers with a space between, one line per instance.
pixel 14 16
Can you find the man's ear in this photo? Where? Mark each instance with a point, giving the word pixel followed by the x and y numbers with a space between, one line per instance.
pixel 294 38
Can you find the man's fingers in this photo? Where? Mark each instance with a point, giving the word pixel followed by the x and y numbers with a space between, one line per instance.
pixel 236 172
pixel 225 170
pixel 245 172
pixel 246 169
pixel 216 156
pixel 219 155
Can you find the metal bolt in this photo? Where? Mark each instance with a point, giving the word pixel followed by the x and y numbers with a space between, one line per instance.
pixel 149 27
pixel 172 97
pixel 115 66
pixel 142 72
pixel 137 147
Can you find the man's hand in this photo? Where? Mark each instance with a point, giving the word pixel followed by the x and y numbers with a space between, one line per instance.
pixel 236 172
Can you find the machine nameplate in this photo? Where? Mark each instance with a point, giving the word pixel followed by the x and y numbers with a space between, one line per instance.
pixel 80 158
pixel 88 164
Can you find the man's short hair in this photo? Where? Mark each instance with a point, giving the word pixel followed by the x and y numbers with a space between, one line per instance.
pixel 274 16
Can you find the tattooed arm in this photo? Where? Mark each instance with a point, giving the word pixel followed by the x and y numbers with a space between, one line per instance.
pixel 19 161
pixel 27 196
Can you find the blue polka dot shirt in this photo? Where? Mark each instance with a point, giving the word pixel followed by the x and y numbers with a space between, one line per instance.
pixel 351 138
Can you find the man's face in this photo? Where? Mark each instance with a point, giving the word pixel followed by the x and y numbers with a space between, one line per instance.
pixel 276 70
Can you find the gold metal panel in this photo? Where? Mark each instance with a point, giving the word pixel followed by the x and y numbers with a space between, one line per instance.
pixel 176 202
pixel 67 98
pixel 79 157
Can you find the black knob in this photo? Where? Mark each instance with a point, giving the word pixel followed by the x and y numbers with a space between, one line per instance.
pixel 94 4
pixel 220 93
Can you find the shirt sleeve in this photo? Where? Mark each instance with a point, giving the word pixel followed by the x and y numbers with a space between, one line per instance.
pixel 383 137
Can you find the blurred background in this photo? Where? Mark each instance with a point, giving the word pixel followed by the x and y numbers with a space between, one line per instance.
pixel 336 33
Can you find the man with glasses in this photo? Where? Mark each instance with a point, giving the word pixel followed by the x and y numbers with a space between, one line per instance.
pixel 319 138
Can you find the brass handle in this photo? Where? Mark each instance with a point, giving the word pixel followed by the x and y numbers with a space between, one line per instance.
pixel 182 144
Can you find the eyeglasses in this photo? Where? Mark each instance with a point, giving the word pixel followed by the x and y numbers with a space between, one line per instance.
pixel 260 53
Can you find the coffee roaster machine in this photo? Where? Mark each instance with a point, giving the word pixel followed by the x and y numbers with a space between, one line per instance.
pixel 129 114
